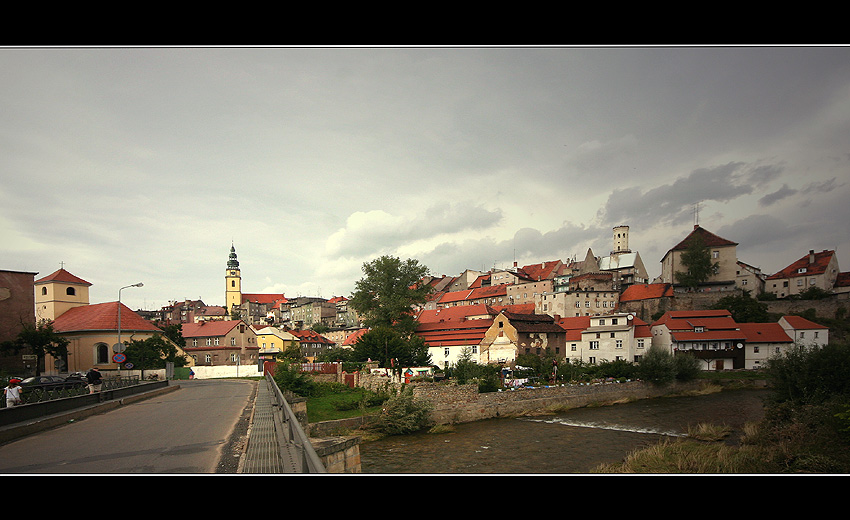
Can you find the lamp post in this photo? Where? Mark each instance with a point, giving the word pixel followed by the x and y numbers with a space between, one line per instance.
pixel 119 347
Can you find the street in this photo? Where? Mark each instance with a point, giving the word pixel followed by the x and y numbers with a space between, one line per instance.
pixel 193 430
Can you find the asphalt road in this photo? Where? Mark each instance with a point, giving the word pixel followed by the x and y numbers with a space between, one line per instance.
pixel 198 429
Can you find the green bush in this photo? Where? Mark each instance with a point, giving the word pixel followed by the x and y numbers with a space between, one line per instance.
pixel 403 414
pixel 657 367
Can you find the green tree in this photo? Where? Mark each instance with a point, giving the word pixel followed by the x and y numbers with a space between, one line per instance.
pixel 657 367
pixel 744 308
pixel 153 352
pixel 42 340
pixel 392 350
pixel 388 293
pixel 697 262
pixel 174 332
pixel 403 414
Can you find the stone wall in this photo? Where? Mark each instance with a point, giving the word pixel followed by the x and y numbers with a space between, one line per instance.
pixel 338 454
pixel 462 403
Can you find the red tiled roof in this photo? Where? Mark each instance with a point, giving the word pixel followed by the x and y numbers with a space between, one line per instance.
pixel 456 313
pixel 574 326
pixel 843 279
pixel 101 316
pixel 517 308
pixel 674 316
pixel 710 239
pixel 541 271
pixel 798 322
pixel 453 333
pixel 63 276
pixel 474 294
pixel 262 298
pixel 817 267
pixel 646 291
pixel 311 336
pixel 337 299
pixel 352 338
pixel 764 333
pixel 209 329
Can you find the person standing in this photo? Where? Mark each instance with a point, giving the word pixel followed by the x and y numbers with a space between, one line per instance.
pixel 13 393
pixel 94 379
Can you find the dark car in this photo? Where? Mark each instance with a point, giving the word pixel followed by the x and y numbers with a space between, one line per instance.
pixel 48 382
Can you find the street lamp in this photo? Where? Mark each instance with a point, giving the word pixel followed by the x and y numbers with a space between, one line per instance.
pixel 119 347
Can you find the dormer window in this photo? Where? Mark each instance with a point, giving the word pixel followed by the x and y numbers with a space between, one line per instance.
pixel 70 291
pixel 699 329
pixel 801 270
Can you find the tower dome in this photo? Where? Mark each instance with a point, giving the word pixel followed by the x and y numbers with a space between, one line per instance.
pixel 232 262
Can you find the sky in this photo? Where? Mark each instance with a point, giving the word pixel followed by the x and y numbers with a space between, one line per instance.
pixel 127 165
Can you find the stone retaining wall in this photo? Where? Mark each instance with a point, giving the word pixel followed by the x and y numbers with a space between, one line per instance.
pixel 462 403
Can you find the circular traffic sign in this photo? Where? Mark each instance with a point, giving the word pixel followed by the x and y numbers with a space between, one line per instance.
pixel 119 358
pixel 128 366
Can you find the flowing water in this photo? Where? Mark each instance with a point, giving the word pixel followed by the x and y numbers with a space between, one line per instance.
pixel 570 442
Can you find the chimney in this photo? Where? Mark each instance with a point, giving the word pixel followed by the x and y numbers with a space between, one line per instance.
pixel 811 256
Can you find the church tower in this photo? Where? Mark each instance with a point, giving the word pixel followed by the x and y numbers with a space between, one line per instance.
pixel 59 292
pixel 233 281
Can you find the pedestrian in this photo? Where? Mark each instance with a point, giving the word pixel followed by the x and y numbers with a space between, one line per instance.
pixel 94 379
pixel 191 374
pixel 13 393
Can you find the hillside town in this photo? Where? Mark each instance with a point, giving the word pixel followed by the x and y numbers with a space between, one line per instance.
pixel 599 308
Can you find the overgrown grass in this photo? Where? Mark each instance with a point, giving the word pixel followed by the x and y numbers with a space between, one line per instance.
pixel 336 401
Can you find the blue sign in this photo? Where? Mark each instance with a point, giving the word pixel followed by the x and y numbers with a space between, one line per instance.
pixel 119 358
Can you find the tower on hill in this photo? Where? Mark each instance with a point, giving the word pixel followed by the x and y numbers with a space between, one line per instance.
pixel 233 282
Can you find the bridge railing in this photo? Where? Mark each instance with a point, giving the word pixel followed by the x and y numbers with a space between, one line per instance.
pixel 292 436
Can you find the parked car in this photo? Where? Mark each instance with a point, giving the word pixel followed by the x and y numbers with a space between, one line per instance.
pixel 47 382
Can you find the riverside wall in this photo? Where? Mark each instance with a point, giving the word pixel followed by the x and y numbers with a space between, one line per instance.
pixel 454 404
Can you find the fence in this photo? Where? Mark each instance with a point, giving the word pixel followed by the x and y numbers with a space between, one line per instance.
pixel 320 368
pixel 40 394
pixel 294 443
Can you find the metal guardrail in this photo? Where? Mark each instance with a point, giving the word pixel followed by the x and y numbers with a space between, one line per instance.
pixel 294 444
pixel 50 392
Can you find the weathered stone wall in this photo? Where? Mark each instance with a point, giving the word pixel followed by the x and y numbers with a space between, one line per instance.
pixel 338 454
pixel 462 403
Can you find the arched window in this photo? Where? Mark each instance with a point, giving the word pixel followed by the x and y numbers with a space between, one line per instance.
pixel 101 353
pixel 70 291
pixel 44 291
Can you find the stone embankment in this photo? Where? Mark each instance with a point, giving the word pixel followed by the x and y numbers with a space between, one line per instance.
pixel 462 403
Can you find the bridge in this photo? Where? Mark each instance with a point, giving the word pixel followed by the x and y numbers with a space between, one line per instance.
pixel 162 433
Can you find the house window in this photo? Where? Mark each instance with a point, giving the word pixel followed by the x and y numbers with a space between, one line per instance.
pixel 209 341
pixel 446 351
pixel 216 342
pixel 102 353
pixel 233 341
pixel 208 358
pixel 594 345
pixel 614 321
pixel 640 343
pixel 573 347
pixel 195 342
pixel 619 343
pixel 70 291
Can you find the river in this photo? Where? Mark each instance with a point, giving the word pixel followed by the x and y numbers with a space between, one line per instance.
pixel 570 442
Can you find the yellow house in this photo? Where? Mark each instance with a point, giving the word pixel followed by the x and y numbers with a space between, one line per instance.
pixel 93 330
pixel 723 253
pixel 273 342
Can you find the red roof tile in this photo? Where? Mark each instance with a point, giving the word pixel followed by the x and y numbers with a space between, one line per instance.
pixel 764 333
pixel 574 326
pixel 352 338
pixel 800 323
pixel 646 291
pixel 821 261
pixel 311 336
pixel 62 276
pixel 103 317
pixel 456 313
pixel 262 298
pixel 209 329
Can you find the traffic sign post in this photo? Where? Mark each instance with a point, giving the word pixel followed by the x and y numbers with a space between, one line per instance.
pixel 119 358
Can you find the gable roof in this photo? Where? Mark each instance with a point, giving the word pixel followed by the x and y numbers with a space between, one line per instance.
pixel 456 313
pixel 574 326
pixel 800 323
pixel 311 336
pixel 352 338
pixel 207 329
pixel 710 239
pixel 262 298
pixel 645 291
pixel 62 276
pixel 818 266
pixel 101 317
pixel 764 333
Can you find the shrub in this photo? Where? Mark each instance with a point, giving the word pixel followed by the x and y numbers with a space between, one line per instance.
pixel 404 414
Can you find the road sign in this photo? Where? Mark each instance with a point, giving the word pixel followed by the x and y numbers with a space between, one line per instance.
pixel 118 347
pixel 119 358
pixel 128 366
